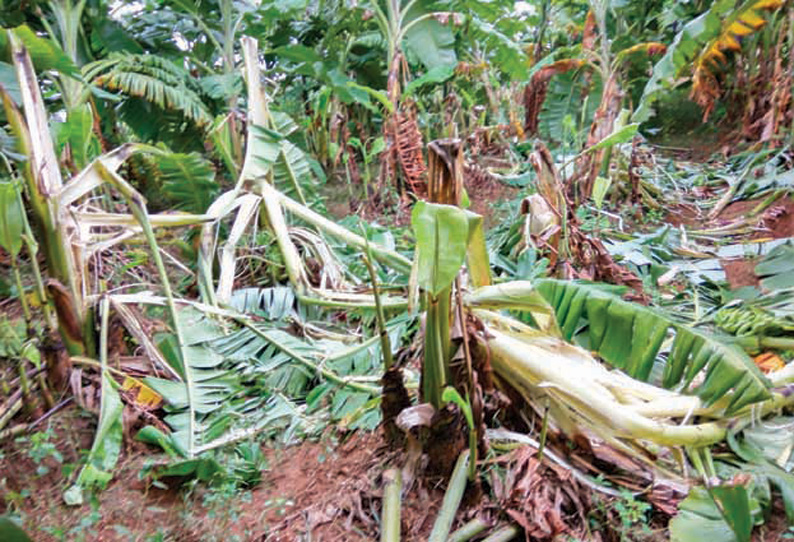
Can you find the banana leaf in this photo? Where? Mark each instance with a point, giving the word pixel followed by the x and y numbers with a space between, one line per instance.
pixel 445 237
pixel 11 224
pixel 106 448
pixel 699 518
pixel 630 337
pixel 774 269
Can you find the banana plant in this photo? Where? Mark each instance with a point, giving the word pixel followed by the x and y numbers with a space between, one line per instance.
pixel 606 118
pixel 44 184
pixel 408 25
pixel 700 47
pixel 442 238
pixel 368 154
pixel 606 128
pixel 629 336
pixel 72 235
pixel 105 451
pixel 271 160
pixel 585 397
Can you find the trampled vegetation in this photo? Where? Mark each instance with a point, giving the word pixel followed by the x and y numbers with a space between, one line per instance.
pixel 398 269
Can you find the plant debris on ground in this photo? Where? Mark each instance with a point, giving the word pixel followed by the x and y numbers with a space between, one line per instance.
pixel 420 270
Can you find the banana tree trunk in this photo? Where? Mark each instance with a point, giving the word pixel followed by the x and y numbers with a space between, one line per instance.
pixel 590 164
pixel 44 184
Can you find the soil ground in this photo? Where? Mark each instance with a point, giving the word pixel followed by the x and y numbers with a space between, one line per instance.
pixel 326 490
pixel 323 490
pixel 777 222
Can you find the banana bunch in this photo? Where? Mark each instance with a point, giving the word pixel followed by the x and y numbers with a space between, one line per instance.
pixel 750 321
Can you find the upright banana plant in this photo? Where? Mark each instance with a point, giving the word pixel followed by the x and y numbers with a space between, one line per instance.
pixel 595 159
pixel 441 238
pixel 68 14
pixel 44 184
pixel 409 25
pixel 401 24
pixel 700 47
pixel 445 235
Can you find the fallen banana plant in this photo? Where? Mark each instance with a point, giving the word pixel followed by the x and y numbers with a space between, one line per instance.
pixel 105 451
pixel 241 376
pixel 232 375
pixel 630 337
pixel 255 191
pixel 611 403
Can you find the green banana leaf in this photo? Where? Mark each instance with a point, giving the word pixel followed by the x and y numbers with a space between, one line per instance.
pixel 45 53
pixel 699 517
pixel 11 225
pixel 77 132
pixel 442 233
pixel 765 453
pixel 775 268
pixel 105 451
pixel 630 336
pixel 429 41
pixel 734 504
pixel 445 235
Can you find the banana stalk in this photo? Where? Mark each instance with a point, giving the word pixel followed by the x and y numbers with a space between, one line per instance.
pixel 611 404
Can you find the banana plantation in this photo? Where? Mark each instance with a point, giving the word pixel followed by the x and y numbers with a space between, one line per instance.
pixel 445 270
